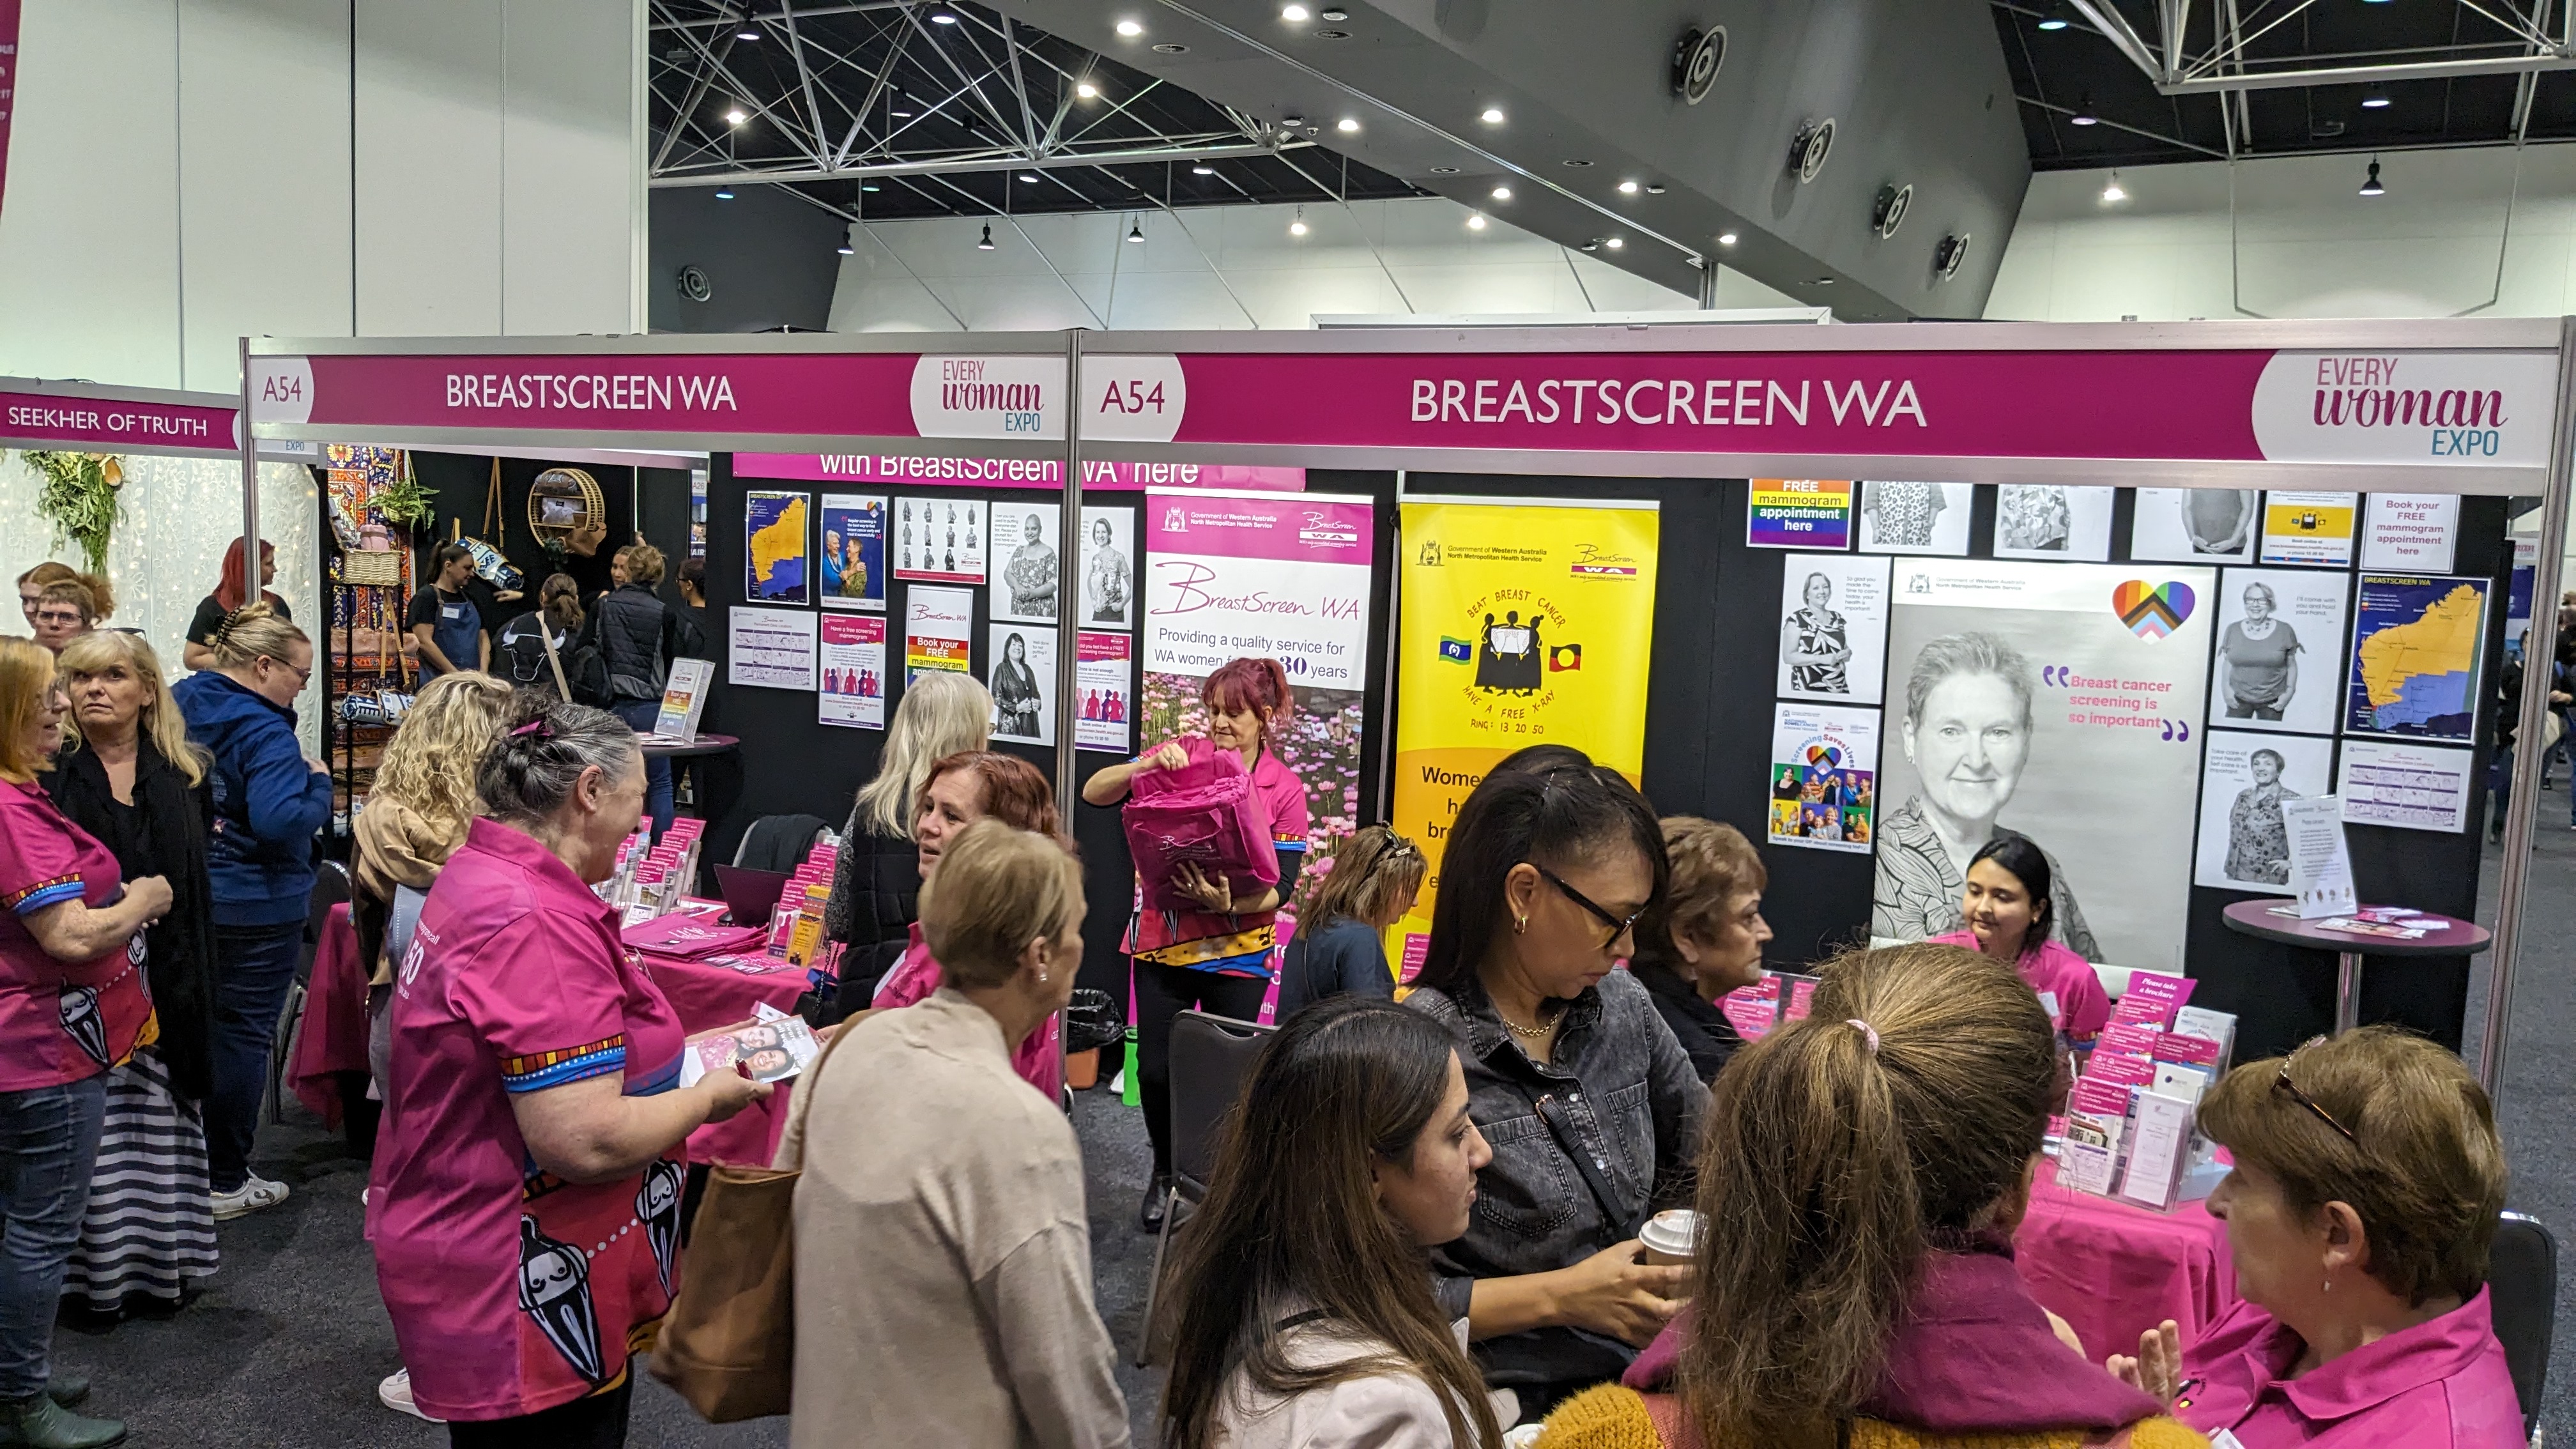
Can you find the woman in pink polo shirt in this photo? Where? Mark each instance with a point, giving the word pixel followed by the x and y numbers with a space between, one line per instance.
pixel 72 1003
pixel 526 1192
pixel 2009 912
pixel 961 789
pixel 2367 1184
pixel 1215 958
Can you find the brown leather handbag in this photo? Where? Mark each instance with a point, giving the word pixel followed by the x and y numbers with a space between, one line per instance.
pixel 728 1345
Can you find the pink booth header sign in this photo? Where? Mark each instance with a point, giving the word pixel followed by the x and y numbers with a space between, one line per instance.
pixel 1011 472
pixel 98 424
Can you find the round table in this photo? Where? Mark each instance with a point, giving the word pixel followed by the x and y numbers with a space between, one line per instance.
pixel 674 750
pixel 2456 938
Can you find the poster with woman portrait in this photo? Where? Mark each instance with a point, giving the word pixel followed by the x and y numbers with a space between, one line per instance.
pixel 1824 780
pixel 940 540
pixel 1108 568
pixel 1023 683
pixel 2244 841
pixel 1914 518
pixel 2195 525
pixel 2278 659
pixel 2053 521
pixel 1024 545
pixel 852 559
pixel 1833 627
pixel 2058 701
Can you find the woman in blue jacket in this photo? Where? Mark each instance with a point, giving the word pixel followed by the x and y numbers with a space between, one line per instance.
pixel 269 799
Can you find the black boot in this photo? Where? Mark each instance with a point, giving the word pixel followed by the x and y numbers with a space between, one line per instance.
pixel 37 1422
pixel 1158 1197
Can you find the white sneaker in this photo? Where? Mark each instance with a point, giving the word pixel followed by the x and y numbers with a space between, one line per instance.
pixel 255 1193
pixel 395 1394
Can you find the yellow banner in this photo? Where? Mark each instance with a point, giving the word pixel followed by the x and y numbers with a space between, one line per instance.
pixel 1523 624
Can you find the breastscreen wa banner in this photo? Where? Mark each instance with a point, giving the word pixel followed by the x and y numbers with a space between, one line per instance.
pixel 1269 575
pixel 1524 623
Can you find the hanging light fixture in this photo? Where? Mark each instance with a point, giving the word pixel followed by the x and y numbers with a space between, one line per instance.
pixel 847 249
pixel 2055 19
pixel 1135 231
pixel 1298 226
pixel 1475 221
pixel 2375 101
pixel 724 193
pixel 2113 191
pixel 2372 187
pixel 986 244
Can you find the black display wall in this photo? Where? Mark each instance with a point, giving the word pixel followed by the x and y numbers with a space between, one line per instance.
pixel 462 482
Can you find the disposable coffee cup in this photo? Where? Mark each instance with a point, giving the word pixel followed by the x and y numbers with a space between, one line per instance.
pixel 1671 1239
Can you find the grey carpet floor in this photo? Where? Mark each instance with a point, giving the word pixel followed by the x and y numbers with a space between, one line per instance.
pixel 286 1346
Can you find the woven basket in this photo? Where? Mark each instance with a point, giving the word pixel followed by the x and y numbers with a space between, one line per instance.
pixel 372 570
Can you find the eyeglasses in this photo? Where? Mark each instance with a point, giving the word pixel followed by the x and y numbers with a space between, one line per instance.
pixel 302 676
pixel 2282 1083
pixel 59 618
pixel 1619 925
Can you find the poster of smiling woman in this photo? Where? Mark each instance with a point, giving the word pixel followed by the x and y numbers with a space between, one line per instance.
pixel 2060 702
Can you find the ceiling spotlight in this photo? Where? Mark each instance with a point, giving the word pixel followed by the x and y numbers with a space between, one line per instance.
pixel 986 244
pixel 1475 221
pixel 1295 14
pixel 736 116
pixel 2084 116
pixel 847 249
pixel 1726 238
pixel 1491 115
pixel 1086 90
pixel 2372 187
pixel 1824 281
pixel 1502 193
pixel 1444 170
pixel 1029 176
pixel 2055 19
pixel 724 193
pixel 1347 124
pixel 1298 227
pixel 1292 122
pixel 1135 231
pixel 747 33
pixel 1615 243
pixel 2112 191
pixel 942 17
pixel 1592 244
pixel 1628 188
pixel 1202 169
pixel 1654 188
pixel 1171 47
pixel 1130 29
pixel 868 186
pixel 1334 14
pixel 2375 101
pixel 900 115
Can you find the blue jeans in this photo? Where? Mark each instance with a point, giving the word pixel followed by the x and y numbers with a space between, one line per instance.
pixel 254 967
pixel 639 714
pixel 48 1147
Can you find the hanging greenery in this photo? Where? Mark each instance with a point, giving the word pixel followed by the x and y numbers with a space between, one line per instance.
pixel 405 503
pixel 80 499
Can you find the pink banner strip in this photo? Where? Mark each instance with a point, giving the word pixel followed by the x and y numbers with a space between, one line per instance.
pixel 1301 529
pixel 895 471
pixel 850 394
pixel 100 424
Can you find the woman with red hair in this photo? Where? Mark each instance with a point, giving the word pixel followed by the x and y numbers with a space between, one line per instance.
pixel 1215 958
pixel 231 592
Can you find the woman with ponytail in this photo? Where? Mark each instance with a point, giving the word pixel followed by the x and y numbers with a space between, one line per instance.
pixel 1863 1173
pixel 1215 958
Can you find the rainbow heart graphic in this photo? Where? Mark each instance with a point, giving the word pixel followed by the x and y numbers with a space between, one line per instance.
pixel 2152 611
pixel 1823 756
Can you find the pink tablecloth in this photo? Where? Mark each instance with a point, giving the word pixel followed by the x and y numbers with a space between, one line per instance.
pixel 2113 1271
pixel 707 995
pixel 332 1037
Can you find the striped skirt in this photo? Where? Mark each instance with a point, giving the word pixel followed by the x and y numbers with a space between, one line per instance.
pixel 149 1234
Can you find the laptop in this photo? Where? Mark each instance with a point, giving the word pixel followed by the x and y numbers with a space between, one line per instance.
pixel 749 895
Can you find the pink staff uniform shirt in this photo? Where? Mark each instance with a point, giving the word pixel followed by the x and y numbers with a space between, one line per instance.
pixel 1039 1060
pixel 1238 944
pixel 2442 1384
pixel 511 1290
pixel 2083 1007
pixel 60 1021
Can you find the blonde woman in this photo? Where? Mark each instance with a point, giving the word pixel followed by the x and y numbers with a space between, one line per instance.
pixel 270 798
pixel 876 884
pixel 128 775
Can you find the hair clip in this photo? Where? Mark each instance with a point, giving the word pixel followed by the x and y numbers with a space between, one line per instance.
pixel 540 727
pixel 1866 1030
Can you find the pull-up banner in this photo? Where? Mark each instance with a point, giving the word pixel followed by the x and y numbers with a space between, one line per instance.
pixel 1524 623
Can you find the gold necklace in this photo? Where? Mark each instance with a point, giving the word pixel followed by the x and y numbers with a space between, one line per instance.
pixel 1526 1033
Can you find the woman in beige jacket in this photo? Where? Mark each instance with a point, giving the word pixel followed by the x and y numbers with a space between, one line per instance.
pixel 943 1259
pixel 1306 1316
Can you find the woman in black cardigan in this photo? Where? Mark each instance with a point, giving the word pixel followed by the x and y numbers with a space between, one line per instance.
pixel 128 775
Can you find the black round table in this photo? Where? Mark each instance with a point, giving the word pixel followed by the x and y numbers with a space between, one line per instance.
pixel 2456 938
pixel 674 750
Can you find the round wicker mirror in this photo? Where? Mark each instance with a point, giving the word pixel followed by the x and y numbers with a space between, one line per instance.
pixel 564 501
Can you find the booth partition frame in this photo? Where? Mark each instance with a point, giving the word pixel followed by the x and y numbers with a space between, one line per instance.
pixel 1312 365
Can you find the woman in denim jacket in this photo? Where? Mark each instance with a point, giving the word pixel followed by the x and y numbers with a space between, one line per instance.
pixel 1589 1103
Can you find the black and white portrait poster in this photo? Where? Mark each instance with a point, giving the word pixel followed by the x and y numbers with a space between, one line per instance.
pixel 2051 521
pixel 1023 683
pixel 1024 544
pixel 2195 525
pixel 939 539
pixel 1914 518
pixel 2062 702
pixel 1833 627
pixel 2244 841
pixel 2278 662
pixel 1108 568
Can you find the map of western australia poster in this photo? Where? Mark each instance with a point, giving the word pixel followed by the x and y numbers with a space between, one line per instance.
pixel 2416 646
pixel 776 563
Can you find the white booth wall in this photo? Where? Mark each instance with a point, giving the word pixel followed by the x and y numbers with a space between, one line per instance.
pixel 184 172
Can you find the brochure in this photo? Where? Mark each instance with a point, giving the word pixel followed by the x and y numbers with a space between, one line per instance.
pixel 2320 863
pixel 684 698
pixel 2159 1149
pixel 767 1050
pixel 2351 927
pixel 2152 998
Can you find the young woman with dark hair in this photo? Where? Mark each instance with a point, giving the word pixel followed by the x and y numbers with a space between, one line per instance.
pixel 1864 1170
pixel 1215 957
pixel 1590 1103
pixel 2009 907
pixel 1306 1318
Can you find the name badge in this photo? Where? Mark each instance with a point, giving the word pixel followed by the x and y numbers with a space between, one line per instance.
pixel 452 611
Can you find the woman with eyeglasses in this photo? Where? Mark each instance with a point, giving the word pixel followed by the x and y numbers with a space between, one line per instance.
pixel 1590 1104
pixel 269 799
pixel 2368 1179
pixel 1367 884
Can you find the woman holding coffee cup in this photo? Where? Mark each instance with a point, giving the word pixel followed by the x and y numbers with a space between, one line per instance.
pixel 1590 1105
pixel 1306 1317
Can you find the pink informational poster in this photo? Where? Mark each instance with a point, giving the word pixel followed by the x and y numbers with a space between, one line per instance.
pixel 851 684
pixel 1104 683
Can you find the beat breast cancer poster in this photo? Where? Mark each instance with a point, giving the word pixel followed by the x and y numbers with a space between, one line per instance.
pixel 1524 623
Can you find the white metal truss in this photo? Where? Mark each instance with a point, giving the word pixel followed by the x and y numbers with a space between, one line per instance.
pixel 2496 37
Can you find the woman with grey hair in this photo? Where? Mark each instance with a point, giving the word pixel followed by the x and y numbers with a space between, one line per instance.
pixel 525 1198
pixel 2258 838
pixel 1967 731
pixel 2258 659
